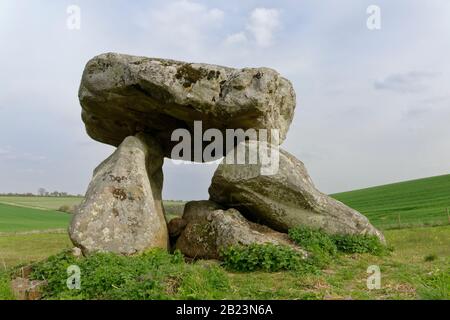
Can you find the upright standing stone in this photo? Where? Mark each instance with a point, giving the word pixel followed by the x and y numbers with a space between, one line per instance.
pixel 122 211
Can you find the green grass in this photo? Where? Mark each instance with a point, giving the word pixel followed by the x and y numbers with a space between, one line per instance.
pixel 49 203
pixel 405 204
pixel 418 268
pixel 404 273
pixel 19 219
pixel 24 248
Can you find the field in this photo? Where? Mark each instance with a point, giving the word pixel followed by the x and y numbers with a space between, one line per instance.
pixel 408 273
pixel 423 202
pixel 47 203
pixel 421 248
pixel 20 219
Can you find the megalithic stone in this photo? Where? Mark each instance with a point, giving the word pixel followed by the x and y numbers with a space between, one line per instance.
pixel 122 94
pixel 122 211
pixel 285 198
pixel 210 229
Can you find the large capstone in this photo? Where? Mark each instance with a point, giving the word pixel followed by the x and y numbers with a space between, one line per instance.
pixel 122 95
pixel 122 211
pixel 283 197
pixel 210 229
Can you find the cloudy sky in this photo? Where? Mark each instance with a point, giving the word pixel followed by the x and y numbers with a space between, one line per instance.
pixel 373 105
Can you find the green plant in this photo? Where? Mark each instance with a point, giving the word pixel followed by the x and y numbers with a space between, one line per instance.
pixel 155 274
pixel 317 243
pixel 430 257
pixel 5 287
pixel 356 243
pixel 313 240
pixel 325 245
pixel 267 257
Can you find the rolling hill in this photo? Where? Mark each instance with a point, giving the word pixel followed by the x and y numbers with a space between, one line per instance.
pixel 419 202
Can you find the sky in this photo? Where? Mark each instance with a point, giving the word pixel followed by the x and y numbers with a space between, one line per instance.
pixel 373 105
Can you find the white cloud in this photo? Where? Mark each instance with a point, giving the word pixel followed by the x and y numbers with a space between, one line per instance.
pixel 184 24
pixel 236 38
pixel 262 25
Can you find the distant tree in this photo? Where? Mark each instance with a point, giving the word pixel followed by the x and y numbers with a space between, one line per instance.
pixel 42 192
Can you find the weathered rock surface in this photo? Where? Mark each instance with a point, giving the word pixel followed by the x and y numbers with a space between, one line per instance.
pixel 25 289
pixel 285 199
pixel 210 229
pixel 122 95
pixel 176 226
pixel 122 210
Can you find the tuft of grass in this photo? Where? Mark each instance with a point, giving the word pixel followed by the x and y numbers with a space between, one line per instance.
pixel 5 287
pixel 430 257
pixel 435 287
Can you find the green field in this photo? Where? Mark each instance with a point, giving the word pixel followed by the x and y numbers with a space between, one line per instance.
pixel 20 219
pixel 52 203
pixel 422 202
pixel 23 248
pixel 417 268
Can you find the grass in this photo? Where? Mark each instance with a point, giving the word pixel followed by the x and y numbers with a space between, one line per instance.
pixel 24 248
pixel 405 273
pixel 48 203
pixel 422 202
pixel 418 268
pixel 19 219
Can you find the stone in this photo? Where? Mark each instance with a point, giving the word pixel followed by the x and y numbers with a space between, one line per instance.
pixel 122 211
pixel 76 252
pixel 121 95
pixel 210 229
pixel 176 226
pixel 285 199
pixel 25 289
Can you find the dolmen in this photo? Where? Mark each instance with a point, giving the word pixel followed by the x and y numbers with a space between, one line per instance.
pixel 151 109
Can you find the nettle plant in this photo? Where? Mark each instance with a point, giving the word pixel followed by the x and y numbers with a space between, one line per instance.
pixel 321 247
pixel 266 257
